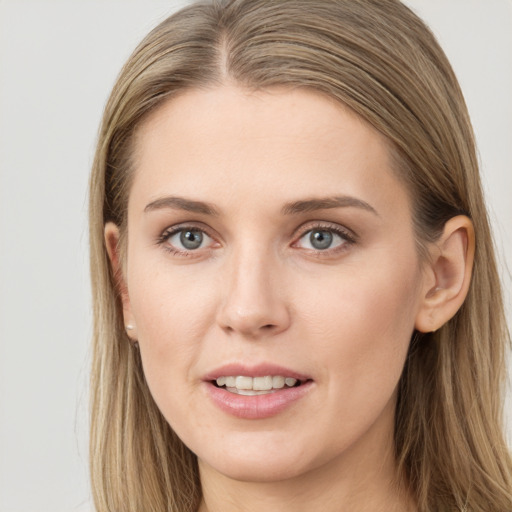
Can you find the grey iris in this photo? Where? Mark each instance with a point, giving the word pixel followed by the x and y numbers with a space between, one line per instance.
pixel 320 239
pixel 191 239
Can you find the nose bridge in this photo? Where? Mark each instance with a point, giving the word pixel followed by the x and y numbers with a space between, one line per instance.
pixel 253 303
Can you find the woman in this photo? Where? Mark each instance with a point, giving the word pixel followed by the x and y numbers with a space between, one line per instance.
pixel 296 298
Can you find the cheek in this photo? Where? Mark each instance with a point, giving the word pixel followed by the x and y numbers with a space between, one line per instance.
pixel 172 311
pixel 361 328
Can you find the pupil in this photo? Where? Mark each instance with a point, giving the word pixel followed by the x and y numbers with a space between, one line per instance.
pixel 321 239
pixel 191 239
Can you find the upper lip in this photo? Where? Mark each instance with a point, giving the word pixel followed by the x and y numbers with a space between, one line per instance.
pixel 253 370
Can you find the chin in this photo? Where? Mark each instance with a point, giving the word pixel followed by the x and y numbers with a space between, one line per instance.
pixel 262 470
pixel 253 458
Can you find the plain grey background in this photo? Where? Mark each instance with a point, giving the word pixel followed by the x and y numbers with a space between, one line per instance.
pixel 58 61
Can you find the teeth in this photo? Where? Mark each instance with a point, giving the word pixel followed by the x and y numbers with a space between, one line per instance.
pixel 278 382
pixel 243 382
pixel 252 385
pixel 248 392
pixel 262 383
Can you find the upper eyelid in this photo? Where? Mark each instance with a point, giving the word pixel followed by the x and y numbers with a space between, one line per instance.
pixel 327 226
pixel 182 226
pixel 346 240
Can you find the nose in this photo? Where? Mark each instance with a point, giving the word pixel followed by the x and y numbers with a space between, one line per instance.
pixel 253 301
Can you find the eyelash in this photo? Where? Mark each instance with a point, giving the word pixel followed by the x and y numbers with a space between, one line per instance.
pixel 163 239
pixel 347 236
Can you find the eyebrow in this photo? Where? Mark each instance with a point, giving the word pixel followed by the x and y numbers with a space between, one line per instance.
pixel 325 203
pixel 180 203
pixel 293 208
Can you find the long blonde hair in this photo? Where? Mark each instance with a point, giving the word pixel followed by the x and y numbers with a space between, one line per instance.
pixel 378 58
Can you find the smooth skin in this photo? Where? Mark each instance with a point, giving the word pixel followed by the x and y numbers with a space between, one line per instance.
pixel 300 252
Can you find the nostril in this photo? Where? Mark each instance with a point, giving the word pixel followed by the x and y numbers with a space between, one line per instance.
pixel 253 318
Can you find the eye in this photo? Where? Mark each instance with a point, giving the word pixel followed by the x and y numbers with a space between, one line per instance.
pixel 186 239
pixel 323 239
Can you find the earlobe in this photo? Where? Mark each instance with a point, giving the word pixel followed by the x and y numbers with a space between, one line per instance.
pixel 447 274
pixel 112 237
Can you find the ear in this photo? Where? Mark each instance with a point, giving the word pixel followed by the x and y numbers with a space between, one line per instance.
pixel 112 237
pixel 447 274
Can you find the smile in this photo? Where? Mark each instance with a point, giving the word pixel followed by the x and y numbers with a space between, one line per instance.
pixel 250 386
pixel 254 392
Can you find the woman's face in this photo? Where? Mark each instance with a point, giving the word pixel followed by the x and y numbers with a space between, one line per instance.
pixel 269 241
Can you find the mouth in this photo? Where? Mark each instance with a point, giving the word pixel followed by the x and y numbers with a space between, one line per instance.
pixel 256 391
pixel 251 386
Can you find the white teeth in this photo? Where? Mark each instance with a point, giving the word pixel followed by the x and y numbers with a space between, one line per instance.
pixel 262 383
pixel 278 382
pixel 243 382
pixel 249 392
pixel 255 385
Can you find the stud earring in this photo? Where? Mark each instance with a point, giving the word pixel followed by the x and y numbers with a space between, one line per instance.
pixel 129 327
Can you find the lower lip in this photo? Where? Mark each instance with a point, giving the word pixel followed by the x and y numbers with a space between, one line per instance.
pixel 256 406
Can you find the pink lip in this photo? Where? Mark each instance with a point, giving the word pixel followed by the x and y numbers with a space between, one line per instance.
pixel 257 406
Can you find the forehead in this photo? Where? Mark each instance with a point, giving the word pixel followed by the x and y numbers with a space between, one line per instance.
pixel 226 142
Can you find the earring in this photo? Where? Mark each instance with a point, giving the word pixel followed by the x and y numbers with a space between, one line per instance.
pixel 135 344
